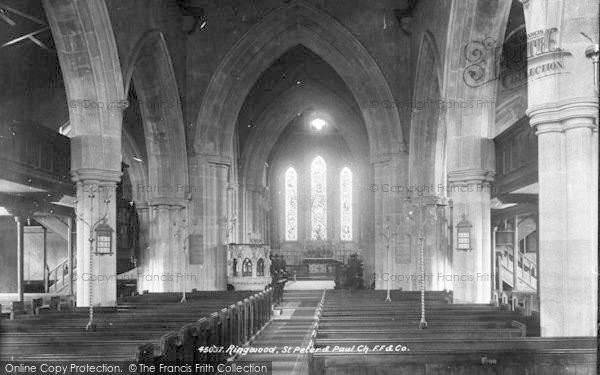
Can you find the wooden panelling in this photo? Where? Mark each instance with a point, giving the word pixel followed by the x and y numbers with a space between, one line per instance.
pixel 516 158
pixel 36 156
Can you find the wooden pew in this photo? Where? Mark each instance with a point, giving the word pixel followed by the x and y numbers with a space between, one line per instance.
pixel 576 355
pixel 139 330
pixel 358 333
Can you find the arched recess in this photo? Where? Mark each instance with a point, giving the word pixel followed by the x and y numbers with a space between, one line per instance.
pixel 273 121
pixel 298 23
pixel 151 71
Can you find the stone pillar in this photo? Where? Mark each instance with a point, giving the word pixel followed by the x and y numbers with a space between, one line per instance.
pixel 390 176
pixel 256 214
pixel 516 254
pixel 232 213
pixel 143 260
pixel 376 258
pixel 209 220
pixel 20 258
pixel 70 253
pixel 45 260
pixel 246 215
pixel 162 265
pixel 96 203
pixel 567 225
pixel 563 106
pixel 471 270
pixel 178 228
pixel 219 223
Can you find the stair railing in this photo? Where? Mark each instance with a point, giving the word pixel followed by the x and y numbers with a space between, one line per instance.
pixel 527 268
pixel 56 274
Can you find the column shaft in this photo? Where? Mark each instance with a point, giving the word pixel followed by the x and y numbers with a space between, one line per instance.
pixel 471 270
pixel 96 274
pixel 70 253
pixel 144 245
pixel 582 260
pixel 20 259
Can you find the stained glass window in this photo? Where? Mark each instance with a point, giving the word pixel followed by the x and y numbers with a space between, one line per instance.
pixel 346 204
pixel 318 195
pixel 291 205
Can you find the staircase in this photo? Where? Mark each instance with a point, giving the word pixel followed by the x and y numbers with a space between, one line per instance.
pixel 526 271
pixel 59 278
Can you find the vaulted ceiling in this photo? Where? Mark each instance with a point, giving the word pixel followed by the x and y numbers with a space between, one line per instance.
pixel 299 82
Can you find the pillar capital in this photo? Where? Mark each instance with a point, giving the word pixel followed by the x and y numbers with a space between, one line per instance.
pixel 383 158
pixel 167 201
pixel 548 117
pixel 100 176
pixel 470 177
pixel 140 206
pixel 215 159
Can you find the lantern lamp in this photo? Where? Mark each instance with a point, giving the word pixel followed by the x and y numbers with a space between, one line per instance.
pixel 103 239
pixel 463 235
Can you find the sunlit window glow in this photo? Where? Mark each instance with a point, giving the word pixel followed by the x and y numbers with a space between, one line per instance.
pixel 318 194
pixel 291 205
pixel 346 204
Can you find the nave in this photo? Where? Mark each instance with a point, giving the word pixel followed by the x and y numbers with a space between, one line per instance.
pixel 304 332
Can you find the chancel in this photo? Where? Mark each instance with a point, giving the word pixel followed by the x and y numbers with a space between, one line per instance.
pixel 300 186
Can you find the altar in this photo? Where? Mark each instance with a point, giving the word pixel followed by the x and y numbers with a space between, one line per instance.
pixel 321 266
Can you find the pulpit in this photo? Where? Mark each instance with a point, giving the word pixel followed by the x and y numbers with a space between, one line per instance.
pixel 248 266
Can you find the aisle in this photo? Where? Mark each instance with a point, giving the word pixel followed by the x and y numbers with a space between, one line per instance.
pixel 290 330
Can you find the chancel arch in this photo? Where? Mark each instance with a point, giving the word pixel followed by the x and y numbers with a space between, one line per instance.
pixel 274 35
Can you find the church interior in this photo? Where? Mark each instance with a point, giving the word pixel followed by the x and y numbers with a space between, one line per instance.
pixel 299 186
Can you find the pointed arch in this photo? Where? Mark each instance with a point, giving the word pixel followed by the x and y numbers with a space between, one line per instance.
pixel 150 69
pixel 282 111
pixel 89 61
pixel 298 23
pixel 427 131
